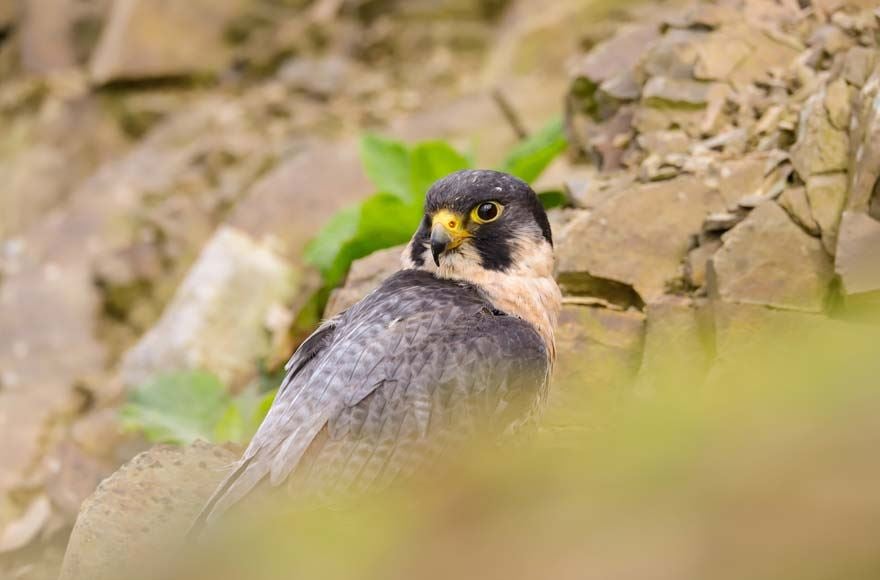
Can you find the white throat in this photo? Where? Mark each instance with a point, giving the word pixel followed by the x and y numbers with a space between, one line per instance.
pixel 526 290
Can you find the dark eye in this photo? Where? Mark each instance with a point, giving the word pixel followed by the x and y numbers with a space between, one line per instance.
pixel 486 212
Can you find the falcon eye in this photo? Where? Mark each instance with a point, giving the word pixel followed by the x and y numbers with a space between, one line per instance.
pixel 486 212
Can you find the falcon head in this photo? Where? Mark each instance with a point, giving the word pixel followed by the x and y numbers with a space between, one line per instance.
pixel 481 220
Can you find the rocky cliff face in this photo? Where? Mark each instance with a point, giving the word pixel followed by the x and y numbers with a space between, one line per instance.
pixel 723 185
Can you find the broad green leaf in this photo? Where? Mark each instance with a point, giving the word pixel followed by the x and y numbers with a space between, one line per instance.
pixel 431 161
pixel 231 425
pixel 324 250
pixel 532 156
pixel 387 164
pixel 177 407
pixel 551 199
pixel 385 221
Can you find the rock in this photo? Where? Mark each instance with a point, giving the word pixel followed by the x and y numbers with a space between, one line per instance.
pixel 673 55
pixel 364 276
pixel 654 222
pixel 8 13
pixel 73 474
pixel 769 260
pixel 591 189
pixel 721 221
pixel 719 55
pixel 24 530
pixel 297 197
pixel 191 42
pixel 831 39
pixel 598 354
pixel 740 178
pixel 45 39
pixel 858 254
pixel 665 142
pixel 678 346
pixel 794 201
pixel 322 77
pixel 766 337
pixel 865 155
pixel 621 52
pixel 216 320
pixel 837 104
pixel 820 146
pixel 858 65
pixel 673 92
pixel 827 196
pixel 697 259
pixel 141 513
pixel 742 54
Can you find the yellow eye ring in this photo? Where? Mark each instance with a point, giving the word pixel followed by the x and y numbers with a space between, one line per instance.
pixel 486 212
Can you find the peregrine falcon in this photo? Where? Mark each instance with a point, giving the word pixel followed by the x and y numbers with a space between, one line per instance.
pixel 458 342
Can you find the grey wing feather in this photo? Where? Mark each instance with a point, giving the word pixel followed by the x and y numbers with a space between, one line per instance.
pixel 413 368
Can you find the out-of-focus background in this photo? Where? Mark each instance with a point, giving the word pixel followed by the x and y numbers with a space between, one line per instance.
pixel 188 186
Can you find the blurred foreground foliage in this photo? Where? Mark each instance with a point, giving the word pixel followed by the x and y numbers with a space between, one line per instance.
pixel 765 469
pixel 402 175
pixel 182 407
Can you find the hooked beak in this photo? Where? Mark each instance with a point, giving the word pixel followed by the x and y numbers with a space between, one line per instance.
pixel 447 232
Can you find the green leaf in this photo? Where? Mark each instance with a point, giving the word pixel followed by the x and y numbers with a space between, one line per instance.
pixel 532 156
pixel 551 199
pixel 231 425
pixel 177 407
pixel 387 164
pixel 431 161
pixel 383 220
pixel 324 250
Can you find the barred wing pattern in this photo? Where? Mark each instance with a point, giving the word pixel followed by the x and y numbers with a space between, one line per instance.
pixel 401 377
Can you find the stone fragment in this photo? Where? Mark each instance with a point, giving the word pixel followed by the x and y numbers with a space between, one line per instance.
pixel 697 259
pixel 24 530
pixel 45 36
pixel 721 221
pixel 624 86
pixel 865 154
pixel 216 320
pixel 858 253
pixel 740 178
pixel 322 77
pixel 837 104
pixel 621 52
pixel 831 39
pixel 666 91
pixel 364 276
pixel 858 65
pixel 8 12
pixel 654 222
pixel 664 142
pixel 719 55
pixel 598 353
pixel 191 40
pixel 674 55
pixel 141 513
pixel 827 195
pixel 794 201
pixel 688 119
pixel 765 54
pixel 592 190
pixel 820 146
pixel 610 137
pixel 677 346
pixel 769 260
